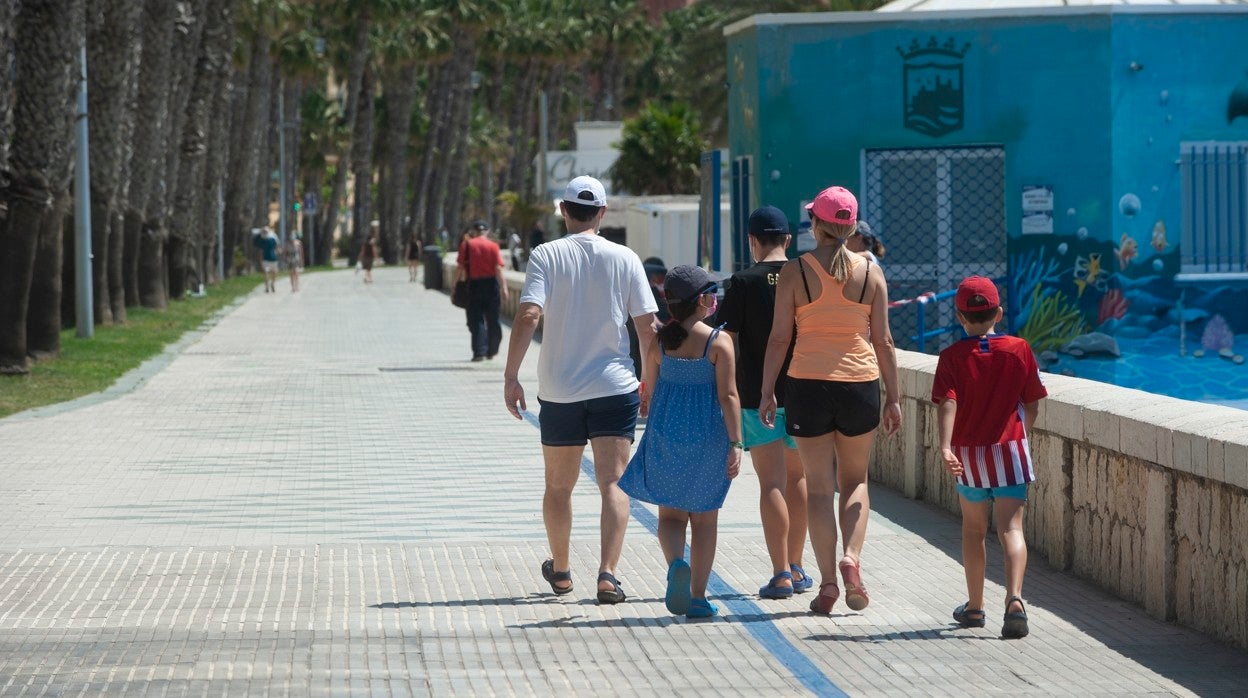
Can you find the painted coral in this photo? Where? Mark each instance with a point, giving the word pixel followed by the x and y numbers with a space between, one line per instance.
pixel 1217 335
pixel 1113 305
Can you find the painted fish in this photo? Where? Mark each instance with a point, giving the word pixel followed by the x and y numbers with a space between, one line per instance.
pixel 1159 236
pixel 1128 249
pixel 1088 272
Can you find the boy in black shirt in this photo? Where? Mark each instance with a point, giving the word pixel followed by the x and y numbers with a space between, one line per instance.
pixel 749 304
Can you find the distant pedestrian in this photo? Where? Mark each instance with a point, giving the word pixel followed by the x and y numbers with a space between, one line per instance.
pixel 515 250
pixel 582 286
pixel 368 255
pixel 413 253
pixel 655 273
pixel 537 236
pixel 481 265
pixel 988 392
pixel 268 243
pixel 749 304
pixel 692 446
pixel 865 242
pixel 294 260
pixel 838 302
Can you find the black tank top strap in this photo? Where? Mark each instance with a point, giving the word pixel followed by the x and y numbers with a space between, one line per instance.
pixel 802 267
pixel 711 340
pixel 865 278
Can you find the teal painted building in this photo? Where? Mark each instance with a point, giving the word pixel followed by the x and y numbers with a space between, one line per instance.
pixel 1094 157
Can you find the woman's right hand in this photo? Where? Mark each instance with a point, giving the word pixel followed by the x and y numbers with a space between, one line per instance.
pixel 767 410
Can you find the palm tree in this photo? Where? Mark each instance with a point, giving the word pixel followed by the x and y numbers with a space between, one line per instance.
pixel 111 35
pixel 8 10
pixel 660 152
pixel 46 36
pixel 146 266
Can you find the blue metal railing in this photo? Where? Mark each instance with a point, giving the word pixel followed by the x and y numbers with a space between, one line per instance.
pixel 921 314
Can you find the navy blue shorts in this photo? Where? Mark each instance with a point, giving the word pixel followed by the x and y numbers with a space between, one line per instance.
pixel 816 407
pixel 575 423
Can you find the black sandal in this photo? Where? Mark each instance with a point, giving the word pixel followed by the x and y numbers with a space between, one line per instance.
pixel 613 596
pixel 969 618
pixel 1015 626
pixel 550 575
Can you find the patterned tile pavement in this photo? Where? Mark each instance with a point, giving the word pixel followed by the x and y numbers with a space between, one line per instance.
pixel 320 495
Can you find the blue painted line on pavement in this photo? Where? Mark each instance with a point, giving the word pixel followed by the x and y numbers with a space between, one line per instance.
pixel 764 631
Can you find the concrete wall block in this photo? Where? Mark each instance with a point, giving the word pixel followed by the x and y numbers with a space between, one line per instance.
pixel 1109 501
pixel 1236 462
pixel 1138 439
pixel 1165 447
pixel 1102 427
pixel 1211 558
pixel 1217 460
pixel 1181 457
pixel 1061 418
pixel 1049 515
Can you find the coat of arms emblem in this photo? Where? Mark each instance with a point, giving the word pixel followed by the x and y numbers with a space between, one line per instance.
pixel 932 94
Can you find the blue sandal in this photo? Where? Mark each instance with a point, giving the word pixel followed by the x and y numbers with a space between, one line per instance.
pixel 614 595
pixel 701 608
pixel 550 575
pixel 800 585
pixel 678 595
pixel 969 617
pixel 774 591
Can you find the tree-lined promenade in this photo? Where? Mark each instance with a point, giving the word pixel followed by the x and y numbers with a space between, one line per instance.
pixel 419 114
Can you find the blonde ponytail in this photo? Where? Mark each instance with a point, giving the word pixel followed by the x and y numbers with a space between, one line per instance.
pixel 842 259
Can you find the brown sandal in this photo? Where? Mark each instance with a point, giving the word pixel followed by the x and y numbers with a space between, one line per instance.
pixel 855 592
pixel 826 598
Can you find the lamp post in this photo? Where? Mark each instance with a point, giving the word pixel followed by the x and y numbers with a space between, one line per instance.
pixel 84 309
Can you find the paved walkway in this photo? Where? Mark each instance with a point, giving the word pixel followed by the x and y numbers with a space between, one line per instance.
pixel 323 496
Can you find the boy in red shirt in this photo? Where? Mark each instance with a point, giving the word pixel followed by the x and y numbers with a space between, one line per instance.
pixel 988 390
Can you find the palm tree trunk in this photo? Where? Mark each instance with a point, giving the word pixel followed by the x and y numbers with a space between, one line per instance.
pixel 362 163
pixel 43 323
pixel 457 128
pixel 116 264
pixel 247 134
pixel 399 104
pixel 45 53
pixel 8 11
pixel 152 106
pixel 436 105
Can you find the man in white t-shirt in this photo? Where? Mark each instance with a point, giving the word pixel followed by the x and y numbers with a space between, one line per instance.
pixel 586 287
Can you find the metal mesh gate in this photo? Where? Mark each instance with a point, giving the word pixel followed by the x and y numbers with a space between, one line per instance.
pixel 940 212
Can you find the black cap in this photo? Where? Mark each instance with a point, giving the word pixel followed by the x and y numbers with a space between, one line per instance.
pixel 479 225
pixel 685 283
pixel 654 265
pixel 768 220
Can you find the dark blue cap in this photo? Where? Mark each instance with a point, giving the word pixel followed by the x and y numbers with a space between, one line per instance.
pixel 768 220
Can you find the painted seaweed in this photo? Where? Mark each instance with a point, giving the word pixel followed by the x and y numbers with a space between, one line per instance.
pixel 1053 321
pixel 1030 271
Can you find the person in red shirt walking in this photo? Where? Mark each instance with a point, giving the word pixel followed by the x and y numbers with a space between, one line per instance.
pixel 988 391
pixel 481 264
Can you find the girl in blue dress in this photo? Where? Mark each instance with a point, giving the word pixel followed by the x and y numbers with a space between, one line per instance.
pixel 692 445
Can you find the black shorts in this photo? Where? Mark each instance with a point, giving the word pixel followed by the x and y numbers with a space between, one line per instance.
pixel 575 423
pixel 814 407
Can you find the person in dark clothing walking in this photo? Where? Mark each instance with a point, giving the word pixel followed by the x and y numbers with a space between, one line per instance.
pixel 481 265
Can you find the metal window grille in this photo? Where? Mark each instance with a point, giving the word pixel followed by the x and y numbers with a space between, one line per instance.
pixel 1215 208
pixel 940 213
pixel 741 198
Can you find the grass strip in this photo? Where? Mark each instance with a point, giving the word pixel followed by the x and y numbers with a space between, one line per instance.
pixel 87 366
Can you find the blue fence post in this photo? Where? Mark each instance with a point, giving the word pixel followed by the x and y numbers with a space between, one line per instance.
pixel 922 319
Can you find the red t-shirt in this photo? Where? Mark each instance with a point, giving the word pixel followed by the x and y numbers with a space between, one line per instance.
pixel 990 378
pixel 481 257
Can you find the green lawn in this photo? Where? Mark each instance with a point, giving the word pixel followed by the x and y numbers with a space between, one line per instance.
pixel 90 365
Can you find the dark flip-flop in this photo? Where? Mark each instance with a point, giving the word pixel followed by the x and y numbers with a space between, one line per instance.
pixel 613 596
pixel 550 575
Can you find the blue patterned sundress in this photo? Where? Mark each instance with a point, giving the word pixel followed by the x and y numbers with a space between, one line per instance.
pixel 682 459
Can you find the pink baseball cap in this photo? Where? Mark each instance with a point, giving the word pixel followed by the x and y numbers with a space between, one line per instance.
pixel 835 205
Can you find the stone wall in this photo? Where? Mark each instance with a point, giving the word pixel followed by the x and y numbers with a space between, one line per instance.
pixel 1144 495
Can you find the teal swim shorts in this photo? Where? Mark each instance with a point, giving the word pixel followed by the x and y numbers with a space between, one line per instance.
pixel 758 435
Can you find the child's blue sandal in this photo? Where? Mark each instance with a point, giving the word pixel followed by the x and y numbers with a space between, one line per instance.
pixel 774 591
pixel 800 585
pixel 701 608
pixel 678 595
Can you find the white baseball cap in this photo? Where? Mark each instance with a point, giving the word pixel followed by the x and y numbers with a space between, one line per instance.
pixel 585 190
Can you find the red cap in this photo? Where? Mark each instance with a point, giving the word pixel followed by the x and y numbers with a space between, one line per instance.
pixel 835 205
pixel 977 293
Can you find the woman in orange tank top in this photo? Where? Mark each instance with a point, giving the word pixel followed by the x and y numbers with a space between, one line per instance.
pixel 844 350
